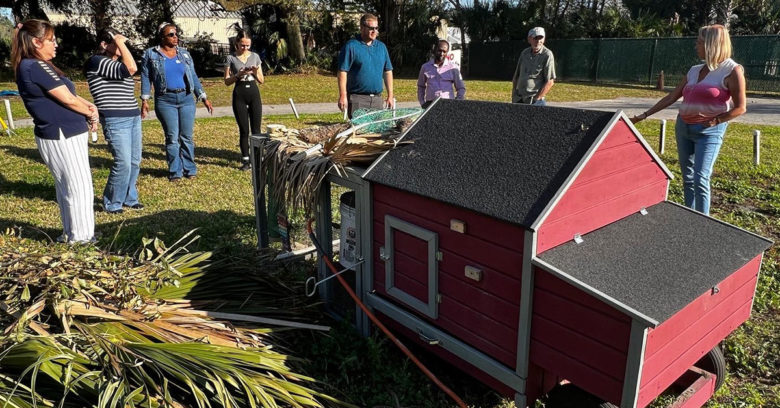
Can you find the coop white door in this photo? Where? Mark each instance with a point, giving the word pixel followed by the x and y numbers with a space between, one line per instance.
pixel 411 265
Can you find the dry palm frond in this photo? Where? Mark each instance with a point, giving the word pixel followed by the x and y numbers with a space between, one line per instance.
pixel 89 329
pixel 297 161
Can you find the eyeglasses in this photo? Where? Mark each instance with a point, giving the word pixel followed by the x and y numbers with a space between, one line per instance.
pixel 371 28
pixel 171 35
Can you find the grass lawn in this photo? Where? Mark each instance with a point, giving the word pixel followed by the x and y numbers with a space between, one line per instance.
pixel 322 88
pixel 370 372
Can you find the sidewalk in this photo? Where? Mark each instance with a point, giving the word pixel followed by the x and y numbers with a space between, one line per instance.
pixel 760 111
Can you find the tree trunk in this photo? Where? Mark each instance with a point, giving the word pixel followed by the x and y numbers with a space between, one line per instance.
pixel 294 37
pixel 101 14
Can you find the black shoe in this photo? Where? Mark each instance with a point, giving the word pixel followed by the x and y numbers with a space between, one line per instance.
pixel 136 206
pixel 245 166
pixel 119 211
pixel 191 176
pixel 174 179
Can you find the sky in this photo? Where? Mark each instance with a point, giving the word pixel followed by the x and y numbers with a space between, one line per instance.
pixel 6 12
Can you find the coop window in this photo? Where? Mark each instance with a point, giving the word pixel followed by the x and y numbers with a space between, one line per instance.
pixel 411 265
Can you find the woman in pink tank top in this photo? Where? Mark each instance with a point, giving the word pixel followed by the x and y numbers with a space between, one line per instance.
pixel 713 93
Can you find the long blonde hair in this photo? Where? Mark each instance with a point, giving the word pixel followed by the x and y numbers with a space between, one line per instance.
pixel 717 45
pixel 23 45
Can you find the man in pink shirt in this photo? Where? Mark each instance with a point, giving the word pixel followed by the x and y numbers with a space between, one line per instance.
pixel 438 77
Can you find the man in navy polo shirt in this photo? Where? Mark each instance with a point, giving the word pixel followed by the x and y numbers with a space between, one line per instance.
pixel 363 64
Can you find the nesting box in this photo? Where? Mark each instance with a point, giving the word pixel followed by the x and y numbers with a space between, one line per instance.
pixel 529 244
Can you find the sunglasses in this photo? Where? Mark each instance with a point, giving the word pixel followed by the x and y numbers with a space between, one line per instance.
pixel 371 28
pixel 244 46
pixel 171 35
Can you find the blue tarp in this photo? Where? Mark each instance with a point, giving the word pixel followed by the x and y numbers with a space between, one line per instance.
pixel 7 92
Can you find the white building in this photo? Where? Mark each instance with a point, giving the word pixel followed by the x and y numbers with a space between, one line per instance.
pixel 193 18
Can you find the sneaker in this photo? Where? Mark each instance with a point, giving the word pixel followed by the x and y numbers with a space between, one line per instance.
pixel 136 206
pixel 174 179
pixel 245 166
pixel 117 211
pixel 191 176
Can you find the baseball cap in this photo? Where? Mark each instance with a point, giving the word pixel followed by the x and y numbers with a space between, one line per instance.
pixel 536 32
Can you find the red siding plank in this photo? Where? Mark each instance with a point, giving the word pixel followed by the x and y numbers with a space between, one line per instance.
pixel 578 373
pixel 602 358
pixel 612 332
pixel 412 246
pixel 448 357
pixel 607 161
pixel 671 328
pixel 546 281
pixel 651 390
pixel 612 209
pixel 477 250
pixel 477 225
pixel 619 135
pixel 605 195
pixel 698 328
pixel 493 282
pixel 592 194
pixel 481 302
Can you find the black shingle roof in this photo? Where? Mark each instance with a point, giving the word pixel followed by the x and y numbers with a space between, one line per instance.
pixel 658 263
pixel 499 159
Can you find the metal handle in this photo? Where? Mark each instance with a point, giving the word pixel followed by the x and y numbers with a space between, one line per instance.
pixel 429 340
pixel 313 279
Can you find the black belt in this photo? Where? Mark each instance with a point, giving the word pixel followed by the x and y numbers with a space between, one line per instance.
pixel 180 90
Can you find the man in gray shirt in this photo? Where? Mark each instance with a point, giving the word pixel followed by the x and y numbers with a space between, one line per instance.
pixel 535 72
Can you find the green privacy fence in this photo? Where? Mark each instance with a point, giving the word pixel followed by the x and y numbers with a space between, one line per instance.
pixel 631 60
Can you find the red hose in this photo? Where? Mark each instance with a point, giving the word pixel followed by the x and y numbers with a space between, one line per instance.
pixel 381 326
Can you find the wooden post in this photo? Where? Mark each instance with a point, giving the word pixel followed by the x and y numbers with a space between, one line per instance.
pixel 8 114
pixel 756 147
pixel 662 138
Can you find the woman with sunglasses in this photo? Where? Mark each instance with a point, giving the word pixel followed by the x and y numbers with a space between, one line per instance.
pixel 62 120
pixel 243 69
pixel 109 74
pixel 170 69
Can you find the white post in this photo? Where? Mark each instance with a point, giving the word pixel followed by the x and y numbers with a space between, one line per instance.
pixel 295 111
pixel 756 147
pixel 8 114
pixel 662 138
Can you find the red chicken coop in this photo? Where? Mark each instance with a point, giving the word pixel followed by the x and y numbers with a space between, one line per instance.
pixel 529 245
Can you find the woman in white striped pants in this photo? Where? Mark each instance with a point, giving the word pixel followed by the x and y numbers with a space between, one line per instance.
pixel 62 120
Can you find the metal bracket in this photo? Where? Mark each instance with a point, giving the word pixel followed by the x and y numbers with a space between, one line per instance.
pixel 316 283
pixel 383 254
pixel 428 340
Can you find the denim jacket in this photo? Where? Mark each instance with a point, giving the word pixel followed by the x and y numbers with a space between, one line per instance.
pixel 153 68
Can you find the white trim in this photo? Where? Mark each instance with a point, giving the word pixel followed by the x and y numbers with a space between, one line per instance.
pixel 462 350
pixel 758 275
pixel 645 144
pixel 634 364
pixel 576 172
pixel 401 138
pixel 596 293
pixel 526 306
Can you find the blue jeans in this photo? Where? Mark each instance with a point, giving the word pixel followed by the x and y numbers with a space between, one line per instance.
pixel 176 112
pixel 697 149
pixel 123 135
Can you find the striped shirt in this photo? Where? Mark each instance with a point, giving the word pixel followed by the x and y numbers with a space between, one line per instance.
pixel 35 79
pixel 111 86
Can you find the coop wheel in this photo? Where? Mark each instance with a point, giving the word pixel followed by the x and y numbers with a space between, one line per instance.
pixel 714 362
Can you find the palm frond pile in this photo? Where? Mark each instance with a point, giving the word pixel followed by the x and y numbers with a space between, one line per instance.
pixel 82 328
pixel 298 160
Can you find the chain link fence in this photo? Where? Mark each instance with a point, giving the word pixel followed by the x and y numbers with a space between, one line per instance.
pixel 631 60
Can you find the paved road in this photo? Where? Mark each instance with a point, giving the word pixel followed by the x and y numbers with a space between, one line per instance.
pixel 761 111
